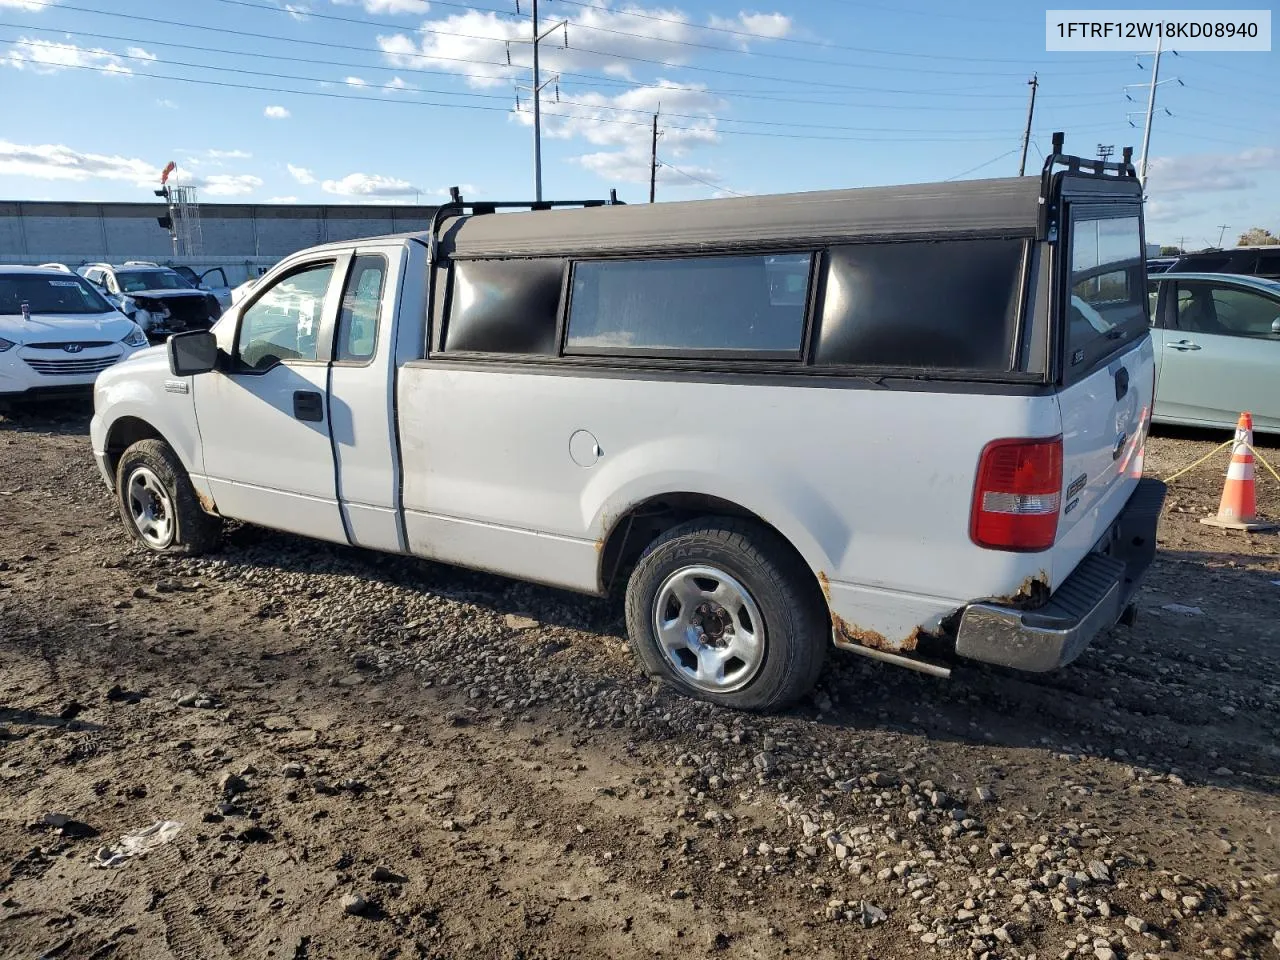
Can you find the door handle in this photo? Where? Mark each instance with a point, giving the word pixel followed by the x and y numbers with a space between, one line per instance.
pixel 1122 383
pixel 1184 345
pixel 308 405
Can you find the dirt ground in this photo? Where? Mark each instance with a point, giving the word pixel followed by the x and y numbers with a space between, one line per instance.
pixel 375 756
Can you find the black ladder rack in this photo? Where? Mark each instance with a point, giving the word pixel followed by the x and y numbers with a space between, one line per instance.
pixel 457 207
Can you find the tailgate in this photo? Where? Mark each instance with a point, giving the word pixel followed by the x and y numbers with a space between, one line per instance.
pixel 1105 417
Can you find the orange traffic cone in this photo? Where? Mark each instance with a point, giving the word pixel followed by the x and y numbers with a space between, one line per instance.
pixel 1238 509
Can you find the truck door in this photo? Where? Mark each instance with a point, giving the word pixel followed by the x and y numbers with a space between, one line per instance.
pixel 264 419
pixel 361 399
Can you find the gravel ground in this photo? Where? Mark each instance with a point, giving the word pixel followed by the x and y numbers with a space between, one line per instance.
pixel 374 756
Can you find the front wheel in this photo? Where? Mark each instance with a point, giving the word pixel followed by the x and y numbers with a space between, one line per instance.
pixel 158 503
pixel 725 610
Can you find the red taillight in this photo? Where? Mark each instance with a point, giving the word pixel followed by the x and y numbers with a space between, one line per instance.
pixel 1018 495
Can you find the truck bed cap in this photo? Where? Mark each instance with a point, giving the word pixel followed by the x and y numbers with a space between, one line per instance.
pixel 1008 206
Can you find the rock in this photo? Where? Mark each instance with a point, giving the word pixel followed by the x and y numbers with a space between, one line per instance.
pixel 68 826
pixel 939 799
pixel 354 904
pixel 880 780
pixel 516 621
pixel 1104 953
pixel 764 762
pixel 872 915
pixel 292 771
pixel 1223 772
pixel 385 875
pixel 1099 871
pixel 985 795
pixel 188 699
pixel 70 710
pixel 230 784
pixel 1192 903
pixel 1136 924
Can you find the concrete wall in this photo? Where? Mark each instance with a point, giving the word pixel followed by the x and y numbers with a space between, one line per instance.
pixel 233 233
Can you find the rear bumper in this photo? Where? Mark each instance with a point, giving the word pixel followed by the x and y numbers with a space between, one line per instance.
pixel 1088 602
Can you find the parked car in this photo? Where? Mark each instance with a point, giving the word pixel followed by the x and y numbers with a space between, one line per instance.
pixel 778 421
pixel 57 333
pixel 1261 261
pixel 1217 343
pixel 213 280
pixel 159 299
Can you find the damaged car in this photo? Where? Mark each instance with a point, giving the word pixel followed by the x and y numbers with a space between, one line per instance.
pixel 158 299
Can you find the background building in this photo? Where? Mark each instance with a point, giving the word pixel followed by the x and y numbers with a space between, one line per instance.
pixel 240 238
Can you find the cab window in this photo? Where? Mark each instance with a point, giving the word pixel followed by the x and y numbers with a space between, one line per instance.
pixel 284 322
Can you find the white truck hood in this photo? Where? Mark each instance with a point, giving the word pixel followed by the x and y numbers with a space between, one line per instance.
pixel 66 328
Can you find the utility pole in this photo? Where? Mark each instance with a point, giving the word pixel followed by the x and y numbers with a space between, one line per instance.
pixel 536 89
pixel 538 119
pixel 1222 229
pixel 653 160
pixel 1151 107
pixel 1105 150
pixel 1034 82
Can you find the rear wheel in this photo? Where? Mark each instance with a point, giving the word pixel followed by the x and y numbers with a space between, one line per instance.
pixel 726 611
pixel 158 503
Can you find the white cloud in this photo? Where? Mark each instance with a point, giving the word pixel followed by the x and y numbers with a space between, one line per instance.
pixel 48 56
pixel 475 36
pixel 227 184
pixel 49 161
pixel 466 189
pixel 274 112
pixel 355 82
pixel 390 6
pixel 1203 172
pixel 771 26
pixel 297 10
pixel 301 174
pixel 228 154
pixel 632 166
pixel 167 104
pixel 139 54
pixel 369 185
pixel 31 6
pixel 281 200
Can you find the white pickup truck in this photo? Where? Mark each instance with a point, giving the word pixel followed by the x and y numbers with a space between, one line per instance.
pixel 905 421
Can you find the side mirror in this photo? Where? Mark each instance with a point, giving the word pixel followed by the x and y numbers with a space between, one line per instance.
pixel 1275 325
pixel 195 351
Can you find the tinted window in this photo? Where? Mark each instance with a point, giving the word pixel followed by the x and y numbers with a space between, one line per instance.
pixel 946 304
pixel 64 294
pixel 1269 263
pixel 1225 311
pixel 751 305
pixel 284 323
pixel 505 306
pixel 361 310
pixel 1108 305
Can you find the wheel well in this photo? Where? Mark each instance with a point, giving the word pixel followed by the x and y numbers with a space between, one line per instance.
pixel 123 434
pixel 646 521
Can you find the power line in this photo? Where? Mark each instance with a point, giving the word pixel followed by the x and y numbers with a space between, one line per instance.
pixel 707 183
pixel 578 49
pixel 702 118
pixel 965 173
pixel 657 39
pixel 594 79
pixel 471 106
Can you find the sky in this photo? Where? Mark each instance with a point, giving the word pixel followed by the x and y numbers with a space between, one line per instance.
pixel 395 101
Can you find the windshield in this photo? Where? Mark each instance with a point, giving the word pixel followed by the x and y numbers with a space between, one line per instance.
pixel 67 294
pixel 136 280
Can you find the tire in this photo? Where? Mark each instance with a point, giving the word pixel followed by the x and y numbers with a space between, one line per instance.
pixel 761 650
pixel 158 503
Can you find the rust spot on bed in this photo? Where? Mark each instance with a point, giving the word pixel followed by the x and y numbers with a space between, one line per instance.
pixel 853 634
pixel 826 587
pixel 1033 592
